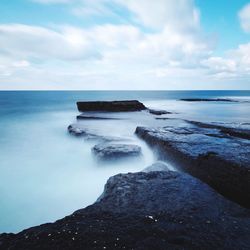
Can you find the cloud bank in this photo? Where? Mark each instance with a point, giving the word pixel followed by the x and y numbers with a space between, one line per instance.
pixel 161 45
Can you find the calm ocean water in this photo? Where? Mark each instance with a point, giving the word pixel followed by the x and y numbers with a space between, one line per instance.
pixel 46 174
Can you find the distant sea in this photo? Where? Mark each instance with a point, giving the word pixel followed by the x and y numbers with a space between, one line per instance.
pixel 45 174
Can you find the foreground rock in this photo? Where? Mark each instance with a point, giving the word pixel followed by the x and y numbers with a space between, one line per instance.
pixel 220 160
pixel 113 106
pixel 108 151
pixel 156 210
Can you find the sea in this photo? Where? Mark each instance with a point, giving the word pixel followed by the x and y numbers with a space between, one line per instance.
pixel 46 174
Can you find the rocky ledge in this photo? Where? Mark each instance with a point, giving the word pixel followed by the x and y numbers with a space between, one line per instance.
pixel 111 151
pixel 211 153
pixel 140 211
pixel 112 106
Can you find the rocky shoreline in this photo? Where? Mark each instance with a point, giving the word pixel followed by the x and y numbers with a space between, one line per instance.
pixel 203 205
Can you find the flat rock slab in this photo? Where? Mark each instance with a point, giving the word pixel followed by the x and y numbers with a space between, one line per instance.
pixel 230 131
pixel 220 160
pixel 113 106
pixel 145 211
pixel 108 151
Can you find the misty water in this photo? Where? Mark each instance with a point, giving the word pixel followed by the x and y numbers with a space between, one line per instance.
pixel 46 174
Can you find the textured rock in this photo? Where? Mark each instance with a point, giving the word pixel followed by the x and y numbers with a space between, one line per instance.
pixel 113 106
pixel 108 151
pixel 236 132
pixel 156 210
pixel 220 160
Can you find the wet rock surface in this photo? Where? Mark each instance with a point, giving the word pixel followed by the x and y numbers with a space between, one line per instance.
pixel 230 131
pixel 209 153
pixel 112 106
pixel 156 210
pixel 111 151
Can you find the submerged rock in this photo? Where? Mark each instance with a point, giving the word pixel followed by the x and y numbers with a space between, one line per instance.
pixel 108 151
pixel 112 106
pixel 157 166
pixel 158 112
pixel 94 117
pixel 144 211
pixel 79 131
pixel 76 130
pixel 220 160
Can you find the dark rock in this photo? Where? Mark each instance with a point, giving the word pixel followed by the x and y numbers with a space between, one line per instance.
pixel 221 161
pixel 207 100
pixel 159 112
pixel 145 211
pixel 76 130
pixel 113 106
pixel 162 118
pixel 108 151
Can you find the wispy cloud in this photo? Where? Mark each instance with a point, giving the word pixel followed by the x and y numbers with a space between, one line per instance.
pixel 244 16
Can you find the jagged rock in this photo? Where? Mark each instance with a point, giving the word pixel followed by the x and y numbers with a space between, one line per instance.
pixel 113 106
pixel 145 211
pixel 157 166
pixel 108 151
pixel 76 130
pixel 220 160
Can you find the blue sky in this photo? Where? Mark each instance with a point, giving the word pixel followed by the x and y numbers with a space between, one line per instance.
pixel 124 44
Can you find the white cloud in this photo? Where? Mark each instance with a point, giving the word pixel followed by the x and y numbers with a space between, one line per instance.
pixel 172 55
pixel 178 14
pixel 244 16
pixel 235 65
pixel 35 42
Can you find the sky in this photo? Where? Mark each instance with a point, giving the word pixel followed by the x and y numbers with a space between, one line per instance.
pixel 124 44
